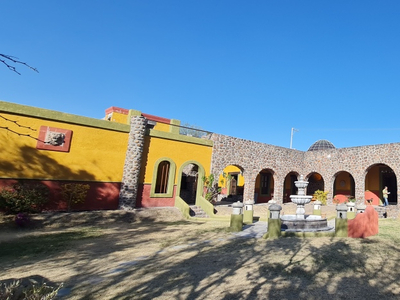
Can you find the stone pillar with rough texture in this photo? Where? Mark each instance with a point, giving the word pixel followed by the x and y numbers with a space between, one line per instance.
pixel 278 188
pixel 133 161
pixel 249 184
pixel 360 189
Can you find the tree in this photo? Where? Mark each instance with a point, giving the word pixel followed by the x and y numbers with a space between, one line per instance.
pixel 9 60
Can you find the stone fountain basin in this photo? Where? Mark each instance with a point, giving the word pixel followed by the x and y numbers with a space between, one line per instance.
pixel 300 199
pixel 309 223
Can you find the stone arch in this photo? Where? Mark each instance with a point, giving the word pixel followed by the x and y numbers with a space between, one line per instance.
pixel 264 186
pixel 315 182
pixel 377 176
pixel 190 181
pixel 343 186
pixel 288 186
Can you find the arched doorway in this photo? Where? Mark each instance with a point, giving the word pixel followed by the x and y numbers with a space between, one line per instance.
pixel 378 176
pixel 264 186
pixel 315 182
pixel 289 187
pixel 343 187
pixel 232 184
pixel 189 181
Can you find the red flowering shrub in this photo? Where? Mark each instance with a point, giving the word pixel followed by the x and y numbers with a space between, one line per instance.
pixel 23 198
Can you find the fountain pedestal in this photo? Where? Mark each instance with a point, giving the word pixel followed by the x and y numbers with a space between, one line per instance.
pixel 301 198
pixel 300 221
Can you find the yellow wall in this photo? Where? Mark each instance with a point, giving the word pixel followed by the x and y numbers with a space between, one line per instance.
pixel 179 151
pixel 92 154
pixel 343 176
pixel 162 127
pixel 372 179
pixel 231 169
pixel 118 117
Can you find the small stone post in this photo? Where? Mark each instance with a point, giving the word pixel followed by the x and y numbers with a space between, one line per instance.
pixel 274 222
pixel 248 212
pixel 317 208
pixel 341 228
pixel 351 210
pixel 236 217
pixel 361 208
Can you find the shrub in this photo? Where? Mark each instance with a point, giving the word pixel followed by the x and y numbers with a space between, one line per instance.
pixel 321 196
pixel 211 186
pixel 17 290
pixel 74 193
pixel 23 198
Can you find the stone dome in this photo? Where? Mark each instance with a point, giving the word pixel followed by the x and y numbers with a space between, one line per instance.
pixel 321 145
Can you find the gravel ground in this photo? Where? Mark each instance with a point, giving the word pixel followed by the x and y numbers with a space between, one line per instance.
pixel 154 254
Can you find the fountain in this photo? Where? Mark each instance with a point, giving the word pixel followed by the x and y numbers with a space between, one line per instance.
pixel 300 221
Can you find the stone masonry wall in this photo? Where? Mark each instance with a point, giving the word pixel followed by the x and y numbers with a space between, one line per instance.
pixel 252 157
pixel 355 160
pixel 133 161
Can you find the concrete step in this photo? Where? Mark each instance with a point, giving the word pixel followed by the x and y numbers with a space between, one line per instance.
pixel 197 211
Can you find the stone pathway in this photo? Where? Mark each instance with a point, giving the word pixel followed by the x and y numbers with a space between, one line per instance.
pixel 255 230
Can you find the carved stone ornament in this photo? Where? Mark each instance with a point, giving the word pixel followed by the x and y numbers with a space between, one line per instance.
pixel 55 138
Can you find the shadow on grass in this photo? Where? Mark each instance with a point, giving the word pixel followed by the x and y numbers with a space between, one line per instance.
pixel 187 261
pixel 244 269
pixel 44 244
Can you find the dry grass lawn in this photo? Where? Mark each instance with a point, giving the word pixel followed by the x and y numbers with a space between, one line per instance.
pixel 154 254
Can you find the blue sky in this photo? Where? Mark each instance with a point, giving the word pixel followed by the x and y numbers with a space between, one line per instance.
pixel 249 69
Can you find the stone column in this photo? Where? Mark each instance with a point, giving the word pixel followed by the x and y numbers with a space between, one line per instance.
pixel 133 161
pixel 278 189
pixel 249 187
pixel 360 189
pixel 328 186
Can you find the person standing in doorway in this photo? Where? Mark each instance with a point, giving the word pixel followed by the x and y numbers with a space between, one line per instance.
pixel 385 194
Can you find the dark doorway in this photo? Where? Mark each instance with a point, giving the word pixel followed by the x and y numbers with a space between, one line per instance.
pixel 189 184
pixel 388 178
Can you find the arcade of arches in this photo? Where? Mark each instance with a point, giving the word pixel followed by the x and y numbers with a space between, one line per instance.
pixel 262 172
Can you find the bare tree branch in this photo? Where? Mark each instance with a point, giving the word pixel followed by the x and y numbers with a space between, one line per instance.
pixel 20 134
pixel 8 59
pixel 21 126
pixel 16 123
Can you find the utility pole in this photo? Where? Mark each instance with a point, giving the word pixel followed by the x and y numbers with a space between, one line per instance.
pixel 291 136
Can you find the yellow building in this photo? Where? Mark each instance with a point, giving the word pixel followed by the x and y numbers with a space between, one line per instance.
pixel 132 159
pixel 50 147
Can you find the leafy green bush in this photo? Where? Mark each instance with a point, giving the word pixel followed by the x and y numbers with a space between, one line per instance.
pixel 23 198
pixel 321 196
pixel 211 186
